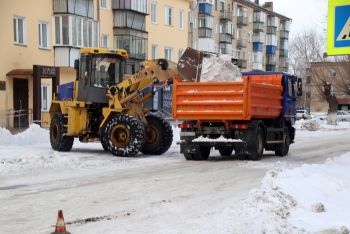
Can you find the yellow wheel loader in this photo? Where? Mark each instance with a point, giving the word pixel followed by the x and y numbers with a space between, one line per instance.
pixel 103 104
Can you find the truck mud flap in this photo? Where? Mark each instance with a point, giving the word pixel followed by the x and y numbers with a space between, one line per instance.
pixel 193 147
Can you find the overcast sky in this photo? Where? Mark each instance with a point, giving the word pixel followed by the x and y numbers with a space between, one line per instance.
pixel 304 13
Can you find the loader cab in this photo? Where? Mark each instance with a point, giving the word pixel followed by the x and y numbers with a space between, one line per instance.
pixel 98 69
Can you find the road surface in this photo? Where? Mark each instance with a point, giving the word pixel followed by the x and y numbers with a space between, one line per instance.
pixel 165 194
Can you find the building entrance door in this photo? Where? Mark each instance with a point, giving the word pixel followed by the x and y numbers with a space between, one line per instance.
pixel 20 103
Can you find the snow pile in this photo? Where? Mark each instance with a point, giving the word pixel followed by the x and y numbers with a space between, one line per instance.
pixel 310 198
pixel 311 125
pixel 33 135
pixel 318 124
pixel 219 68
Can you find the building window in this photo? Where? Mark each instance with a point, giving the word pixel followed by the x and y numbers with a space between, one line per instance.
pixel 78 7
pixel 154 12
pixel 103 4
pixel 181 51
pixel 19 29
pixel 168 15
pixel 75 31
pixel 44 35
pixel 168 53
pixel 154 51
pixel 181 19
pixel 45 97
pixel 105 41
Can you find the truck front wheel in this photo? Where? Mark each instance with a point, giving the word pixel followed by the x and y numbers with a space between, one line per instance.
pixel 255 144
pixel 202 154
pixel 281 150
pixel 124 135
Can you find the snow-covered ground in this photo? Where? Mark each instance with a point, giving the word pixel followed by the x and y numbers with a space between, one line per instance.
pixel 308 191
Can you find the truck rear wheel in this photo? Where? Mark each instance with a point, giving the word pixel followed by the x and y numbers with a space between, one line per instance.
pixel 225 151
pixel 159 136
pixel 58 140
pixel 255 144
pixel 125 135
pixel 281 150
pixel 202 154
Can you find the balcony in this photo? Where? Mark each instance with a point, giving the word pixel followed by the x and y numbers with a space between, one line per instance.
pixel 226 15
pixel 242 21
pixel 270 49
pixel 271 30
pixel 242 63
pixel 225 38
pixel 259 37
pixel 284 34
pixel 257 46
pixel 205 32
pixel 140 6
pixel 271 60
pixel 258 27
pixel 242 43
pixel 257 66
pixel 284 53
pixel 283 65
pixel 259 17
pixel 205 8
pixel 226 49
pixel 285 26
pixel 270 67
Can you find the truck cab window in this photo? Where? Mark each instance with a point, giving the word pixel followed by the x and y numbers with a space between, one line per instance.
pixel 291 88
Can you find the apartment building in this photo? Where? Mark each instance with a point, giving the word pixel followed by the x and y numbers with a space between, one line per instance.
pixel 41 40
pixel 252 33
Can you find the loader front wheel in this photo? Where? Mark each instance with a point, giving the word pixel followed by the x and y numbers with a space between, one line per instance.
pixel 124 135
pixel 58 140
pixel 159 135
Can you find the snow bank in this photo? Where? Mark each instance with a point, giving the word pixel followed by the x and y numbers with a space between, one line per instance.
pixel 317 124
pixel 219 68
pixel 33 135
pixel 290 201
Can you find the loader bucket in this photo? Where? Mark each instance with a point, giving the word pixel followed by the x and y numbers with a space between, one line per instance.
pixel 189 66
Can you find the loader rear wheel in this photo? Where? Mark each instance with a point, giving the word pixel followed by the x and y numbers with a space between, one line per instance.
pixel 58 140
pixel 225 151
pixel 282 149
pixel 124 135
pixel 159 136
pixel 202 154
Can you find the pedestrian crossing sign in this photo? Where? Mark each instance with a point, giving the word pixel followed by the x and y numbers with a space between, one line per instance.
pixel 338 38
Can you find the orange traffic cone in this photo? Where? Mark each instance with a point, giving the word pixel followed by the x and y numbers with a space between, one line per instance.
pixel 60 224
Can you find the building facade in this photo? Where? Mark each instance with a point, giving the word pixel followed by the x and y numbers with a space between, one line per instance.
pixel 334 76
pixel 43 39
pixel 254 34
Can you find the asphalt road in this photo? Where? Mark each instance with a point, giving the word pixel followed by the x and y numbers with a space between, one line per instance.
pixel 170 196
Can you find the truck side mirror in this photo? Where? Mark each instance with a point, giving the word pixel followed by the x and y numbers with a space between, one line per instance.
pixel 299 87
pixel 76 64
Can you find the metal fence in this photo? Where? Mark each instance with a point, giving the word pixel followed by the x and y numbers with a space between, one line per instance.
pixel 13 118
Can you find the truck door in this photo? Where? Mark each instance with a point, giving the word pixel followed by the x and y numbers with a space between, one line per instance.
pixel 289 96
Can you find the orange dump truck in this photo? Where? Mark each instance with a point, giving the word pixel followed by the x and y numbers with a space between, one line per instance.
pixel 245 116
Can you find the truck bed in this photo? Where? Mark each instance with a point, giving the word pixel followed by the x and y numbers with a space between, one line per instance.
pixel 255 97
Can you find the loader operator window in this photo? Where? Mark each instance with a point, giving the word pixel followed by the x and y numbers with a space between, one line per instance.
pixel 105 71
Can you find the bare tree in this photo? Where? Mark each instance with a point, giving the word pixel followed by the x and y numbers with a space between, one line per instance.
pixel 329 75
